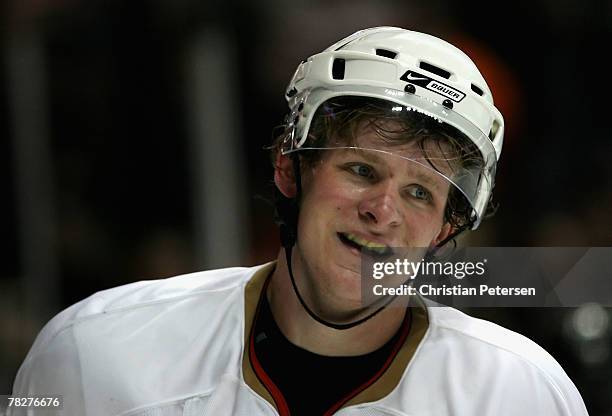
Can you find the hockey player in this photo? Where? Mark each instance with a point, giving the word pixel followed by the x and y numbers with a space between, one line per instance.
pixel 392 141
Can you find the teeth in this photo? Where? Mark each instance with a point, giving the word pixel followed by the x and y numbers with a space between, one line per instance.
pixel 371 245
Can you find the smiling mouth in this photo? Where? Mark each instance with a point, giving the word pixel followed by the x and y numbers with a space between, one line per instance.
pixel 365 246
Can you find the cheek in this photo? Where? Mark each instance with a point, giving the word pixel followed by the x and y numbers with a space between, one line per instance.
pixel 420 228
pixel 339 203
pixel 325 209
pixel 327 192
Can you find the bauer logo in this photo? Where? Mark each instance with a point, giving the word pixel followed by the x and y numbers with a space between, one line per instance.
pixel 433 85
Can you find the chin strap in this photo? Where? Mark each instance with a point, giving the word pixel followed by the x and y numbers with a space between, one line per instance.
pixel 318 318
pixel 451 237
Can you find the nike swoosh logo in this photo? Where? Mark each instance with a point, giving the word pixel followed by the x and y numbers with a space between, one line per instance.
pixel 411 77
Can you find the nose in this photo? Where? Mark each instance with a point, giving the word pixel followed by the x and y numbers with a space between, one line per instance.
pixel 381 208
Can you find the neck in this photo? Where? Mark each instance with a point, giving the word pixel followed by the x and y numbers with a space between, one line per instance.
pixel 303 331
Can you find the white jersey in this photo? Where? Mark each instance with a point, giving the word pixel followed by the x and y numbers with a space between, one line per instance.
pixel 177 347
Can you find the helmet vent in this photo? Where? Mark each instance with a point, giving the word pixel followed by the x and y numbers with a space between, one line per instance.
pixel 386 53
pixel 435 70
pixel 477 90
pixel 338 69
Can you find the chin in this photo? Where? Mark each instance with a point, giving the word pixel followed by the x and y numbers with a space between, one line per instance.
pixel 342 309
pixel 345 286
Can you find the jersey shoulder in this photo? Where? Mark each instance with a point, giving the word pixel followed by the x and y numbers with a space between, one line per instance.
pixel 135 335
pixel 123 299
pixel 490 336
pixel 485 352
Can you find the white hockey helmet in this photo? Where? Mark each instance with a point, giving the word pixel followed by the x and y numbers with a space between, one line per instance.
pixel 417 71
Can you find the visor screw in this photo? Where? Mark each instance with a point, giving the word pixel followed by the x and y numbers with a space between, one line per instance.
pixel 447 103
pixel 409 88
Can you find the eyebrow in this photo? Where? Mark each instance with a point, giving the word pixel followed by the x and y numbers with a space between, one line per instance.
pixel 374 158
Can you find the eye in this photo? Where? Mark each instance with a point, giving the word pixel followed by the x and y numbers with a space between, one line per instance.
pixel 419 192
pixel 363 170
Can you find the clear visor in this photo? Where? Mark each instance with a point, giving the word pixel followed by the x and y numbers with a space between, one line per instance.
pixel 386 138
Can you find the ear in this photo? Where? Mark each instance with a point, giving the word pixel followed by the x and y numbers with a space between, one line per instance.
pixel 283 175
pixel 445 231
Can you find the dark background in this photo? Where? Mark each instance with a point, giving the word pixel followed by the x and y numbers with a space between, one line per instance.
pixel 133 134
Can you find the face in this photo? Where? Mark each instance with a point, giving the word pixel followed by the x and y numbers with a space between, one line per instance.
pixel 354 198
